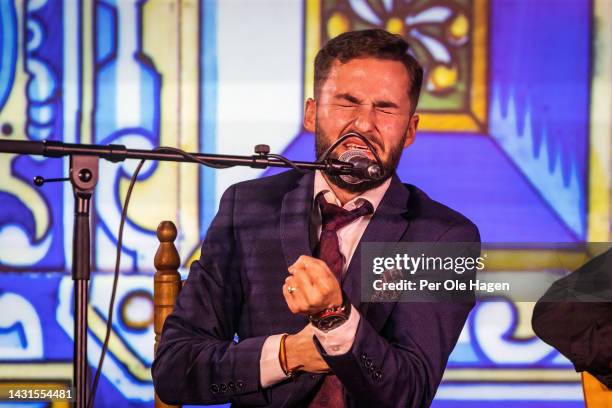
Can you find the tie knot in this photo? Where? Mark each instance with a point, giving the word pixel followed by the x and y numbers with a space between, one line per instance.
pixel 334 217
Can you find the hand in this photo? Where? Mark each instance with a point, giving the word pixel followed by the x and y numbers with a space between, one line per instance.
pixel 314 286
pixel 301 351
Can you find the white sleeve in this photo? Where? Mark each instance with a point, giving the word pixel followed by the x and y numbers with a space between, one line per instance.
pixel 340 340
pixel 270 371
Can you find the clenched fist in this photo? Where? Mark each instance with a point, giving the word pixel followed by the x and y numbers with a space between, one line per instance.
pixel 311 286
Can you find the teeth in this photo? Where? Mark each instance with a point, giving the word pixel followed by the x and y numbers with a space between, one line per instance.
pixel 354 146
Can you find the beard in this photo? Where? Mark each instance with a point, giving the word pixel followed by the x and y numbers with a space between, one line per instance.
pixel 322 143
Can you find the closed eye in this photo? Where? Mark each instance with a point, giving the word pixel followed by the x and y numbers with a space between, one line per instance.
pixel 346 105
pixel 387 111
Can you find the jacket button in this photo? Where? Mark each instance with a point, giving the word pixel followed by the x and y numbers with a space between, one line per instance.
pixel 223 387
pixel 368 363
pixel 214 388
pixel 377 376
pixel 240 384
pixel 231 386
pixel 364 356
pixel 313 377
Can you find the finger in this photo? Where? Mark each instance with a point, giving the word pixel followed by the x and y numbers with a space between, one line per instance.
pixel 298 301
pixel 306 259
pixel 302 260
pixel 310 262
pixel 303 271
pixel 326 285
pixel 321 277
pixel 294 268
pixel 308 293
pixel 321 270
pixel 311 293
pixel 297 267
pixel 289 299
pixel 295 301
pixel 315 269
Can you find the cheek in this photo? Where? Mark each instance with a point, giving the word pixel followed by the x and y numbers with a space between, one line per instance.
pixel 393 132
pixel 332 121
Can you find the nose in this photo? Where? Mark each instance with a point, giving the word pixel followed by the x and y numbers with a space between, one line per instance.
pixel 365 119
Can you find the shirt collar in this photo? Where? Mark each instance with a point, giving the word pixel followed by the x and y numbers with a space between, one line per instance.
pixel 374 196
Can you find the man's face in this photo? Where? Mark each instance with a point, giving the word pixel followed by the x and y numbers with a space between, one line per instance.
pixel 368 96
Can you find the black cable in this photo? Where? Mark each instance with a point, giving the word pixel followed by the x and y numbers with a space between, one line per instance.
pixel 109 323
pixel 287 162
pixel 193 157
pixel 196 159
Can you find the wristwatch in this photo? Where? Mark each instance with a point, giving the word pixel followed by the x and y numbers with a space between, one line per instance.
pixel 330 318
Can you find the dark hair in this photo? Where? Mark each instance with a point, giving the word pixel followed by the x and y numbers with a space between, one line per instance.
pixel 374 43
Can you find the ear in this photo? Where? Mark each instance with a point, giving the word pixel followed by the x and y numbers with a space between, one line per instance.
pixel 412 129
pixel 310 114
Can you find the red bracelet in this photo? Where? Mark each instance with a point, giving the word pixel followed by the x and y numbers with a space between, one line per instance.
pixel 332 317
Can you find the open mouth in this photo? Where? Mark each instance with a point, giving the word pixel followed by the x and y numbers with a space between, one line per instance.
pixel 362 147
pixel 356 146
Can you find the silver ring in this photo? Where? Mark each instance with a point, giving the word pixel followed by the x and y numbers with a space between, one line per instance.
pixel 291 289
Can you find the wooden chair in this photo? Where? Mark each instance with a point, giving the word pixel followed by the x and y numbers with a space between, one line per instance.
pixel 596 394
pixel 167 283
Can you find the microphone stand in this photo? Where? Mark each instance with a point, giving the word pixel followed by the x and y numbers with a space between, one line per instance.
pixel 84 160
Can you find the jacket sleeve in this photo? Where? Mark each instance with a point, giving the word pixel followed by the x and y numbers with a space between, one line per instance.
pixel 403 364
pixel 580 330
pixel 198 360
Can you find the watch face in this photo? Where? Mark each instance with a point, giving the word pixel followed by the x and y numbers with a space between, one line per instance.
pixel 330 322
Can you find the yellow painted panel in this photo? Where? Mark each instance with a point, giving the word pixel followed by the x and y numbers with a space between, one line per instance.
pixel 600 163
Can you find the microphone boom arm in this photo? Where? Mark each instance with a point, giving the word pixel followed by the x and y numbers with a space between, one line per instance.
pixel 118 153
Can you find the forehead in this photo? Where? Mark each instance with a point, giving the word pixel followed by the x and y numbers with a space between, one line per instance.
pixel 368 77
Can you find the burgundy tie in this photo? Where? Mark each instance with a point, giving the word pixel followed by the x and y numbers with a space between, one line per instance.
pixel 333 218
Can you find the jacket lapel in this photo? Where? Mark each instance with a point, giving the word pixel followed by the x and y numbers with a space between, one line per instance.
pixel 295 220
pixel 388 224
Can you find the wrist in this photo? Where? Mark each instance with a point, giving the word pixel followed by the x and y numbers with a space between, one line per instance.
pixel 285 356
pixel 333 317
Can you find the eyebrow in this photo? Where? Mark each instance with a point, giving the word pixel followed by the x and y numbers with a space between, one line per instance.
pixel 377 104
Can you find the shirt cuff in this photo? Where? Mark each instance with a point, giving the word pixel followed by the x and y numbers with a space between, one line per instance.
pixel 339 340
pixel 270 371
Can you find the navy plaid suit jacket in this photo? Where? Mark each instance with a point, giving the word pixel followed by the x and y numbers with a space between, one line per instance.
pixel 262 226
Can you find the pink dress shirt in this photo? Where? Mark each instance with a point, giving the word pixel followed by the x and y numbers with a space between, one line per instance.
pixel 339 340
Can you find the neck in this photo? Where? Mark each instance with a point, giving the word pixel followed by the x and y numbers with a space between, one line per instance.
pixel 342 195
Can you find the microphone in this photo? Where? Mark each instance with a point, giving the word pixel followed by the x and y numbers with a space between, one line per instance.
pixel 363 168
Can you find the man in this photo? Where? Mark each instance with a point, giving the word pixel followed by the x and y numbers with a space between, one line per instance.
pixel 280 265
pixel 575 317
